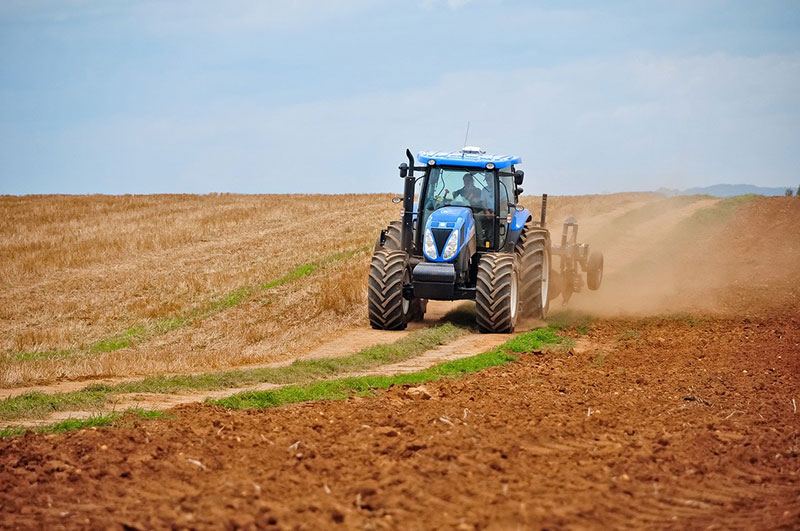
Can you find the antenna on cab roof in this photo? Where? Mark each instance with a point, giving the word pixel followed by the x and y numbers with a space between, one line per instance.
pixel 466 135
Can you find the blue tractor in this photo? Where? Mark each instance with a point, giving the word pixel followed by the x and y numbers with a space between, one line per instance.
pixel 467 238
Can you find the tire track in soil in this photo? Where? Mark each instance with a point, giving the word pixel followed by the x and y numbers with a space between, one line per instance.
pixel 459 348
pixel 347 342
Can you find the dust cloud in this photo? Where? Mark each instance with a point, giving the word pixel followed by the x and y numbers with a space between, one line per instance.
pixel 683 254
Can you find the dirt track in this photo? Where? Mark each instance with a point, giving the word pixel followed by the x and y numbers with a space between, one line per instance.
pixel 678 423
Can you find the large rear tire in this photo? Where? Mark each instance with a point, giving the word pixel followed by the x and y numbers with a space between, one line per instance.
pixel 497 293
pixel 533 253
pixel 387 308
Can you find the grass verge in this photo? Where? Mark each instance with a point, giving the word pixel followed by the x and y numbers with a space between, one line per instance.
pixel 98 421
pixel 327 390
pixel 346 387
pixel 156 327
pixel 97 395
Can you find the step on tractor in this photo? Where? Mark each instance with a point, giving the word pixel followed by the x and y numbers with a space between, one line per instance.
pixel 468 238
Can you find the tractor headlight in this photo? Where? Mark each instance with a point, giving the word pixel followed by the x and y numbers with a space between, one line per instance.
pixel 429 247
pixel 451 246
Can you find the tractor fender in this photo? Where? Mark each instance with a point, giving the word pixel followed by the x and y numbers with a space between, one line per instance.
pixel 521 217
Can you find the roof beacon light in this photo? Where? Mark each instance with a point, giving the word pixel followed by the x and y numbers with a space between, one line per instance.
pixel 472 150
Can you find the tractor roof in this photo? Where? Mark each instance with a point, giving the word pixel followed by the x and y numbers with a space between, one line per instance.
pixel 474 157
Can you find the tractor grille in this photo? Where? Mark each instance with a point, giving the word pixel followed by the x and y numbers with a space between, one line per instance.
pixel 440 237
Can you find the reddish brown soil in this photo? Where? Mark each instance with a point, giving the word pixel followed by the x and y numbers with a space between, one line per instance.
pixel 669 423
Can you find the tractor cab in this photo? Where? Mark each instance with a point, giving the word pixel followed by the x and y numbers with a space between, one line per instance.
pixel 471 183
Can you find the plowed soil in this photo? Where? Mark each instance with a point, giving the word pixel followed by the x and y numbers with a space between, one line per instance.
pixel 659 422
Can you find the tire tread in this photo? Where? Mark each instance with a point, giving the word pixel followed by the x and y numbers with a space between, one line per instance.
pixel 385 290
pixel 532 244
pixel 493 292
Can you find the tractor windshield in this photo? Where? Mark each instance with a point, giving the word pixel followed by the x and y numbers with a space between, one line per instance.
pixel 457 187
pixel 473 188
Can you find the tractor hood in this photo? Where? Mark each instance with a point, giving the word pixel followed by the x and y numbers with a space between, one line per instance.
pixel 447 231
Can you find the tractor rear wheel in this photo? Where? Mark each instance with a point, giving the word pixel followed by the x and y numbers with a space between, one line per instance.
pixel 388 309
pixel 497 293
pixel 533 253
pixel 594 270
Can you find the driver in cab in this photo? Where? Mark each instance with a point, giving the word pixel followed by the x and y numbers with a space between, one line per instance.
pixel 477 198
pixel 470 192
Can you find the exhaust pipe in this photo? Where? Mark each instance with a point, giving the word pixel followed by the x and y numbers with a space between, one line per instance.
pixel 408 205
pixel 544 211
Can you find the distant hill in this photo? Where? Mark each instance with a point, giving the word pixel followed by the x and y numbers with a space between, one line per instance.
pixel 726 190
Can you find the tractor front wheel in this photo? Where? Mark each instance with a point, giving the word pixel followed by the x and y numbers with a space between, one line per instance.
pixel 394 241
pixel 388 310
pixel 497 293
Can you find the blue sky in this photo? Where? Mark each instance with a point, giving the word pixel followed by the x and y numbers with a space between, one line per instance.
pixel 301 96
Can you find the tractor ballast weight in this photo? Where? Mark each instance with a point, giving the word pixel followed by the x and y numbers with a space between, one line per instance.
pixel 467 238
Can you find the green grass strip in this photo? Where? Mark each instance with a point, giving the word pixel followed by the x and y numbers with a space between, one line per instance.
pixel 98 421
pixel 346 387
pixel 39 404
pixel 327 390
pixel 157 327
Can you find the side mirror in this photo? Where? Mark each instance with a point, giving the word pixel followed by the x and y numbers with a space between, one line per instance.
pixel 403 170
pixel 519 175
